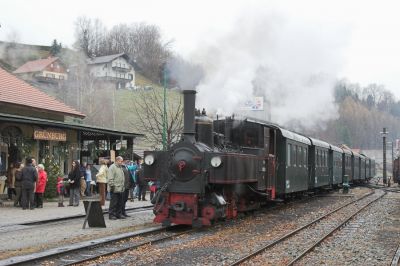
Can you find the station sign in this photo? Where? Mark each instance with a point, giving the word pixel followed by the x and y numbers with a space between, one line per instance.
pixel 253 104
pixel 42 134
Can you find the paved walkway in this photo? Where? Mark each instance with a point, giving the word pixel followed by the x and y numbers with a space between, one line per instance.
pixel 13 215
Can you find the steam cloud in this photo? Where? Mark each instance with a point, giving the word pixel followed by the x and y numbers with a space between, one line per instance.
pixel 292 64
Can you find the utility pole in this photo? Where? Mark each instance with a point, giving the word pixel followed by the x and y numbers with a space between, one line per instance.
pixel 164 136
pixel 384 134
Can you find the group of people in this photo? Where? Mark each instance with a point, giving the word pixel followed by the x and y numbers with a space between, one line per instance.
pixel 27 183
pixel 122 180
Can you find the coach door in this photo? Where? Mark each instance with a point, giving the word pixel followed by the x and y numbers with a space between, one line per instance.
pixel 269 161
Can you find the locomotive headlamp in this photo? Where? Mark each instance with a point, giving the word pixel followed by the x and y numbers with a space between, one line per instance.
pixel 216 161
pixel 149 159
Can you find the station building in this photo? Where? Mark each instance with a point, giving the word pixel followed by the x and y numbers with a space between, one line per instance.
pixel 35 124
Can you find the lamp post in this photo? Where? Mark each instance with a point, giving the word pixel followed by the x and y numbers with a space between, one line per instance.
pixel 164 136
pixel 384 134
pixel 391 142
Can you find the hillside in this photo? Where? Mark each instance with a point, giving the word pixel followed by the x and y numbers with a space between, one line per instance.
pixel 13 55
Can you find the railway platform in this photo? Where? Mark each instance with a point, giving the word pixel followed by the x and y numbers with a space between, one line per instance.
pixel 13 215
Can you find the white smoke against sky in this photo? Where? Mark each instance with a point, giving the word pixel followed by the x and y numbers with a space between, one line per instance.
pixel 292 63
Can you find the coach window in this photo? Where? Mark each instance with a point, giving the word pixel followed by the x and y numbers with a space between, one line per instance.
pixel 293 160
pixel 300 157
pixel 319 158
pixel 289 147
pixel 305 157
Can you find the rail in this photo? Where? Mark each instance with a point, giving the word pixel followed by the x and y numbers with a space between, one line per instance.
pixel 270 245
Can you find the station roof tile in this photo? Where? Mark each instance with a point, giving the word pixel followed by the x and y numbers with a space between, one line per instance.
pixel 16 91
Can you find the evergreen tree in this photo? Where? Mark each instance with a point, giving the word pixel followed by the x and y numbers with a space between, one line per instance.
pixel 55 48
pixel 53 171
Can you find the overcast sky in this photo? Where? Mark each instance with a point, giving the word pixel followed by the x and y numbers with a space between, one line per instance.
pixel 363 36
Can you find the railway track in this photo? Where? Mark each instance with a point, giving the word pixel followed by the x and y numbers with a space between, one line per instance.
pixel 94 249
pixel 310 235
pixel 396 257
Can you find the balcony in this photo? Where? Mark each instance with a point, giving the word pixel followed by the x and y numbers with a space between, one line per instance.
pixel 49 79
pixel 121 68
pixel 116 79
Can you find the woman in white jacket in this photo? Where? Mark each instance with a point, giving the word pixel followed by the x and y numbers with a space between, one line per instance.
pixel 101 179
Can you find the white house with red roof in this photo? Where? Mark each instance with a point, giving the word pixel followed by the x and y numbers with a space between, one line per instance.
pixel 44 70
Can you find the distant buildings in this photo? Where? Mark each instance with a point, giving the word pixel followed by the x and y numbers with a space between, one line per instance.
pixel 117 68
pixel 49 70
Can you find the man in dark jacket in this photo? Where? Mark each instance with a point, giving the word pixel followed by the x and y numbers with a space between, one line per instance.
pixel 127 186
pixel 142 183
pixel 29 177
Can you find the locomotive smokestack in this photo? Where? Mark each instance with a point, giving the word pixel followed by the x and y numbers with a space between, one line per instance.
pixel 189 101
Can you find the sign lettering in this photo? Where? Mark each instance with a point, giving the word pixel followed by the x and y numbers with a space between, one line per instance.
pixel 49 135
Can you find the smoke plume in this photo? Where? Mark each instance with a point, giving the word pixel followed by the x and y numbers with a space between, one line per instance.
pixel 292 64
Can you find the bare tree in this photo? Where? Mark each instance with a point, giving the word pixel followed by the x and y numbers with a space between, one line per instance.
pixel 89 95
pixel 142 42
pixel 147 106
pixel 90 36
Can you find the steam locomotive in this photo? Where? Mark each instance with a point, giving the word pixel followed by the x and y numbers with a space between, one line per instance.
pixel 223 167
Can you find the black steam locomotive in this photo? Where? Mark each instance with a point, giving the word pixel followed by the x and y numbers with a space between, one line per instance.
pixel 224 167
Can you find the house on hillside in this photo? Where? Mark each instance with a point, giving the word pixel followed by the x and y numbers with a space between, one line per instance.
pixel 118 69
pixel 49 70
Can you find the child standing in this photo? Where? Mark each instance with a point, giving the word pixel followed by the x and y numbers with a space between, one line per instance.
pixel 60 191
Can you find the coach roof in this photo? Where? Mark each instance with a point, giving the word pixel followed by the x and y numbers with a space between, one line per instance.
pixel 335 148
pixel 320 143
